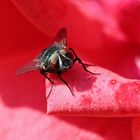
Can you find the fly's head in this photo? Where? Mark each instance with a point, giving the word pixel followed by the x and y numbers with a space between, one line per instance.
pixel 65 60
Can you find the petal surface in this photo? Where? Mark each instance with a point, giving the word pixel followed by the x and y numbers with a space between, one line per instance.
pixel 107 94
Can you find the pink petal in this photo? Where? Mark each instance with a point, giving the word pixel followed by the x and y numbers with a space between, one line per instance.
pixel 107 94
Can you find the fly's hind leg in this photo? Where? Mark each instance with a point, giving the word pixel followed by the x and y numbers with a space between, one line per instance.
pixel 65 83
pixel 45 75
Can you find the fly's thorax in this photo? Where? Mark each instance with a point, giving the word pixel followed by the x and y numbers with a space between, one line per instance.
pixel 49 58
pixel 54 58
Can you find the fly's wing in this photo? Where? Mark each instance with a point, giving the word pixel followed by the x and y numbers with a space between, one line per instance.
pixel 60 41
pixel 31 66
pixel 61 38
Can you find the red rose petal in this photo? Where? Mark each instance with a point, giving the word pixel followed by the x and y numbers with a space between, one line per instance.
pixel 107 31
pixel 106 94
pixel 136 128
pixel 22 102
pixel 117 20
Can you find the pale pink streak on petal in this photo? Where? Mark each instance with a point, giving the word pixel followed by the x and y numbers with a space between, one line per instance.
pixel 95 11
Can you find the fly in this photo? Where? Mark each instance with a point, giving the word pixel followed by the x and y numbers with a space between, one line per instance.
pixel 57 58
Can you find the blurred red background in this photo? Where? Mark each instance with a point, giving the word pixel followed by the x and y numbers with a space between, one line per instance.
pixel 22 98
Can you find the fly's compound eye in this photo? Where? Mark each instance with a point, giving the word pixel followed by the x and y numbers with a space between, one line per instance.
pixel 66 63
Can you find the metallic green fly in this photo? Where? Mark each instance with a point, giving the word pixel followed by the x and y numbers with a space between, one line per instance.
pixel 57 58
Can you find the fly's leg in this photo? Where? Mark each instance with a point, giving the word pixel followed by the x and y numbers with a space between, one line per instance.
pixel 65 83
pixel 84 66
pixel 44 73
pixel 80 61
pixel 89 64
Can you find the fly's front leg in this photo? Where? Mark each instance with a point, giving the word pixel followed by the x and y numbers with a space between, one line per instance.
pixel 45 75
pixel 83 64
